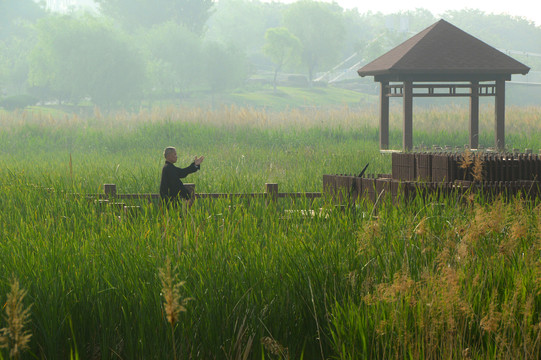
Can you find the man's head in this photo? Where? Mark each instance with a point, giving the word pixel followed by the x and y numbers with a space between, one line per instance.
pixel 170 154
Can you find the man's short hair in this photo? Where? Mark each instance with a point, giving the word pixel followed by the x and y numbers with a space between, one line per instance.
pixel 168 150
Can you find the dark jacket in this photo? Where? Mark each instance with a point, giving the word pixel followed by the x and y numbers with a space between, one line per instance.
pixel 171 188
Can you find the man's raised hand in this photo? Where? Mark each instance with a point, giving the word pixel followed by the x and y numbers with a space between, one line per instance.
pixel 198 160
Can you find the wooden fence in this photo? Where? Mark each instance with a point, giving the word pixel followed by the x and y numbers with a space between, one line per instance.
pixel 421 174
pixel 348 188
pixel 413 174
pixel 271 193
pixel 448 167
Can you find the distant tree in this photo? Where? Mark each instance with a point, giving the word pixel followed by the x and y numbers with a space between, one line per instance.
pixel 320 28
pixel 16 41
pixel 503 32
pixel 409 22
pixel 498 30
pixel 18 101
pixel 223 67
pixel 193 14
pixel 363 36
pixel 243 23
pixel 85 57
pixel 14 11
pixel 174 53
pixel 14 52
pixel 282 47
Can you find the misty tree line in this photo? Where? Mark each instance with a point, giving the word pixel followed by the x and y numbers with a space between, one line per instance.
pixel 157 49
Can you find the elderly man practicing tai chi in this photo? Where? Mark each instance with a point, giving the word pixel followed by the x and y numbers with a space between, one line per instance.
pixel 172 190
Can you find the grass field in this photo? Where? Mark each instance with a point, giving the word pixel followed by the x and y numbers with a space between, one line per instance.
pixel 437 278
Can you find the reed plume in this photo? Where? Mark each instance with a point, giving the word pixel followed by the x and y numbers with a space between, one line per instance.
pixel 467 161
pixel 173 303
pixel 367 234
pixel 422 228
pixel 14 336
pixel 275 348
pixel 477 170
pixel 491 321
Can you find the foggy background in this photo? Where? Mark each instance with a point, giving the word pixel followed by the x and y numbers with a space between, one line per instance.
pixel 116 54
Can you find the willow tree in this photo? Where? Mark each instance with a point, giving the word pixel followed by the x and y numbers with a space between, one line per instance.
pixel 282 47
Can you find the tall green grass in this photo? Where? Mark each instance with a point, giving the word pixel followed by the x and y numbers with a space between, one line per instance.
pixel 447 277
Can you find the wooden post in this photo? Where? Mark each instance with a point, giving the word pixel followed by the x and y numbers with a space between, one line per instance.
pixel 191 190
pixel 474 115
pixel 500 115
pixel 408 116
pixel 271 190
pixel 328 184
pixel 110 190
pixel 384 116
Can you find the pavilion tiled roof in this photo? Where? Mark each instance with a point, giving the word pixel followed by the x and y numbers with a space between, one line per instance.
pixel 443 49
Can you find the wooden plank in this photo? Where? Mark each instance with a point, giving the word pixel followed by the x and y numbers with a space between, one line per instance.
pixel 423 164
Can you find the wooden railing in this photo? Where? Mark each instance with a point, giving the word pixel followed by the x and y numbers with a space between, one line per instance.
pixel 271 192
pixel 349 188
pixel 413 174
pixel 448 167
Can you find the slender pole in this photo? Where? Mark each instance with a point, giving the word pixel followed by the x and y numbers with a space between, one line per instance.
pixel 474 115
pixel 408 116
pixel 384 116
pixel 500 115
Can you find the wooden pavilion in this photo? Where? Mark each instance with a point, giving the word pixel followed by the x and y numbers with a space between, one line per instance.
pixel 443 60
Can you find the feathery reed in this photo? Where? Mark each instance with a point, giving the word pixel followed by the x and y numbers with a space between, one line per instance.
pixel 173 303
pixel 477 169
pixel 14 336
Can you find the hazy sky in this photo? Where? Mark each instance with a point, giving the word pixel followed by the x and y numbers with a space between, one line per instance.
pixel 529 9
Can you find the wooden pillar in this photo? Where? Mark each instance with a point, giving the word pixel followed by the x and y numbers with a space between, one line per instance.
pixel 384 116
pixel 191 189
pixel 110 190
pixel 408 116
pixel 474 115
pixel 271 190
pixel 500 115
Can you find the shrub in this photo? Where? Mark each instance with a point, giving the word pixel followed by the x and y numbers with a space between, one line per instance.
pixel 18 101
